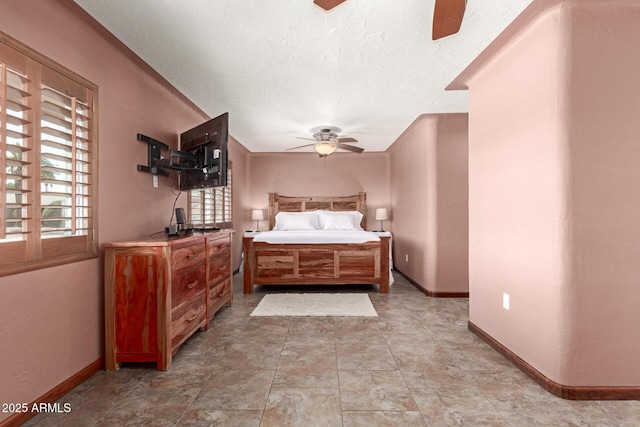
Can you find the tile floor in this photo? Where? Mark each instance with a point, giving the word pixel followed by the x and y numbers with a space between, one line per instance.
pixel 414 365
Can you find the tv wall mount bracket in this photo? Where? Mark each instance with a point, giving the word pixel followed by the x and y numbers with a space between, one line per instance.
pixel 155 148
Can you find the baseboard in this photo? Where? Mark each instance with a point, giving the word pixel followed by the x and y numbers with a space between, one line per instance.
pixel 429 293
pixel 54 394
pixel 560 390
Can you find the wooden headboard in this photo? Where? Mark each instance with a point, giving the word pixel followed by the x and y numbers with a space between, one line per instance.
pixel 278 203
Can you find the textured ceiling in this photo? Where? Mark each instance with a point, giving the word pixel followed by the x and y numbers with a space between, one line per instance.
pixel 284 68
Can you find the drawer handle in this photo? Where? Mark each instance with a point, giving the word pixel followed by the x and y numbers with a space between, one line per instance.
pixel 191 256
pixel 192 284
pixel 192 318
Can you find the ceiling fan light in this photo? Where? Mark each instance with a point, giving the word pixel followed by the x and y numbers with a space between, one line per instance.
pixel 325 148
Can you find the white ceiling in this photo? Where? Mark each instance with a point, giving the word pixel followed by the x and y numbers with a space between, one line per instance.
pixel 283 68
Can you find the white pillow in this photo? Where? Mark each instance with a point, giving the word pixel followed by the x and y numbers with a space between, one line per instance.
pixel 336 220
pixel 295 221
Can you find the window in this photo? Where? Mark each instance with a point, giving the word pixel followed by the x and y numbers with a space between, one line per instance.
pixel 47 162
pixel 211 207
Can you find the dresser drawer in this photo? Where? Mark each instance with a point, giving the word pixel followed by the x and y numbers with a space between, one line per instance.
pixel 219 267
pixel 219 294
pixel 218 246
pixel 186 285
pixel 187 319
pixel 187 257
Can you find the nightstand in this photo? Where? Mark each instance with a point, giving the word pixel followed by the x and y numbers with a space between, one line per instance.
pixel 388 234
pixel 247 234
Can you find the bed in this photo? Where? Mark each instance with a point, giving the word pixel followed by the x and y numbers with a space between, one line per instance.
pixel 283 256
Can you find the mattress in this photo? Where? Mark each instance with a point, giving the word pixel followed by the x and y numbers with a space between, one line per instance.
pixel 315 236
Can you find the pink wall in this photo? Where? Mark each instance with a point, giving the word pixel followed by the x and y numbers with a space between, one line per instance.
pixel 238 154
pixel 604 199
pixel 450 205
pixel 429 193
pixel 305 174
pixel 553 194
pixel 51 320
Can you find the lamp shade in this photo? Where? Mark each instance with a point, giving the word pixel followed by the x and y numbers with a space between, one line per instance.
pixel 257 215
pixel 325 148
pixel 381 214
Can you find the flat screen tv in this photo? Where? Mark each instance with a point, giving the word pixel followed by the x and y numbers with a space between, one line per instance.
pixel 203 154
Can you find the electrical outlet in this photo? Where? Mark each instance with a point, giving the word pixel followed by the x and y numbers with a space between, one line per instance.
pixel 505 301
pixel 155 181
pixel 406 258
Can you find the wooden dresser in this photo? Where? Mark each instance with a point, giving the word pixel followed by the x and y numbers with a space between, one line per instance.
pixel 159 291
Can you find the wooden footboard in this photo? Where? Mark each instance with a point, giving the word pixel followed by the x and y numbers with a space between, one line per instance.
pixel 352 263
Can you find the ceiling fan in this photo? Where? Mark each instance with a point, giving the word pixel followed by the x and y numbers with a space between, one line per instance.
pixel 328 4
pixel 447 15
pixel 327 142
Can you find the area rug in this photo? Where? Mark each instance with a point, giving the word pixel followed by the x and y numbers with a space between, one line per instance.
pixel 315 305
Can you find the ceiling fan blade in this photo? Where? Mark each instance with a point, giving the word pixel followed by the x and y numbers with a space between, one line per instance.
pixel 328 4
pixel 447 17
pixel 346 139
pixel 351 148
pixel 300 146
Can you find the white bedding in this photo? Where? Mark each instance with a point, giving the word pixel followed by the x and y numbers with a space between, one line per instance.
pixel 315 236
